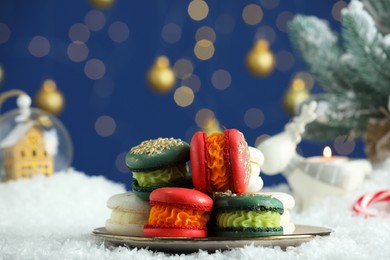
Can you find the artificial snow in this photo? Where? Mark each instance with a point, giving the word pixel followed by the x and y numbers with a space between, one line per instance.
pixel 53 217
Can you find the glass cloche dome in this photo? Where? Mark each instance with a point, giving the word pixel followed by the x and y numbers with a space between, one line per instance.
pixel 32 141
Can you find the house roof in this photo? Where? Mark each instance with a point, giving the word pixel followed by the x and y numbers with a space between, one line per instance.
pixel 16 134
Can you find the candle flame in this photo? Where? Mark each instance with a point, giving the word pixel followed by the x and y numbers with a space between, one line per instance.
pixel 327 153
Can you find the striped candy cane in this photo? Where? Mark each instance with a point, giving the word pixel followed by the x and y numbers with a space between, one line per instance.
pixel 362 204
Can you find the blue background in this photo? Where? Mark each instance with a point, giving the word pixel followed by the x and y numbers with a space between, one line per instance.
pixel 140 113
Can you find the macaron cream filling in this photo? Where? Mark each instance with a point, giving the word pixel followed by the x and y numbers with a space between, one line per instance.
pixel 161 176
pixel 219 177
pixel 124 217
pixel 165 214
pixel 252 219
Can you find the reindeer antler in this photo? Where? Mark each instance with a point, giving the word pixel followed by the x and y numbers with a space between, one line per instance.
pixel 297 126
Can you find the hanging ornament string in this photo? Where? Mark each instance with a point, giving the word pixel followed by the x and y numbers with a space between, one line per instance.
pixel 160 77
pixel 260 60
pixel 48 97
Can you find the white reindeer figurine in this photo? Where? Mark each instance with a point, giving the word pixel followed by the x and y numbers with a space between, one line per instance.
pixel 310 180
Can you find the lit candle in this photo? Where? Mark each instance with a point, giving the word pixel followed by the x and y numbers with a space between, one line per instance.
pixel 327 157
pixel 315 178
pixel 338 171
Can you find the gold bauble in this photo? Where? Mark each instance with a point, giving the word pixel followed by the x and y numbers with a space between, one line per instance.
pixel 49 98
pixel 260 61
pixel 161 77
pixel 295 95
pixel 101 3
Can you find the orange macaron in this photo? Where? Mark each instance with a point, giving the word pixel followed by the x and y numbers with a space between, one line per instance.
pixel 178 212
pixel 220 162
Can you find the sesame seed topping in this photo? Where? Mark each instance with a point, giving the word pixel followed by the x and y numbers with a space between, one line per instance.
pixel 156 146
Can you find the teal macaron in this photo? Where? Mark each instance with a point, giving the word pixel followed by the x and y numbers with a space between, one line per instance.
pixel 247 215
pixel 157 163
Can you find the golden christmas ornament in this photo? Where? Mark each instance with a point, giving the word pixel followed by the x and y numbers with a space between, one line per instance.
pixel 101 3
pixel 161 77
pixel 49 98
pixel 260 61
pixel 295 95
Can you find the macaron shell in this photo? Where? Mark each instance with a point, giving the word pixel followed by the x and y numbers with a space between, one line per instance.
pixel 255 169
pixel 256 156
pixel 181 197
pixel 125 230
pixel 285 217
pixel 174 231
pixel 129 202
pixel 198 162
pixel 157 153
pixel 255 184
pixel 144 192
pixel 288 228
pixel 248 202
pixel 248 232
pixel 256 160
pixel 238 160
pixel 287 200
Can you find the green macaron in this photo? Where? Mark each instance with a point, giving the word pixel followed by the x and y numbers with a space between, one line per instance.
pixel 158 163
pixel 247 215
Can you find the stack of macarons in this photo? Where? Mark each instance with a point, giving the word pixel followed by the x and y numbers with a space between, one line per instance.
pixel 221 191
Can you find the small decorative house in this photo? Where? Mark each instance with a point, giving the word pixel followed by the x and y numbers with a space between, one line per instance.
pixel 26 153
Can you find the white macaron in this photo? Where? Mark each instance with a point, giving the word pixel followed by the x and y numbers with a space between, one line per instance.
pixel 129 214
pixel 256 161
pixel 288 204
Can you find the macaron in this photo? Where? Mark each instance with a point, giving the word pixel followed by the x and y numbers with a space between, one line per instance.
pixel 158 163
pixel 256 161
pixel 220 162
pixel 178 212
pixel 247 216
pixel 288 202
pixel 129 214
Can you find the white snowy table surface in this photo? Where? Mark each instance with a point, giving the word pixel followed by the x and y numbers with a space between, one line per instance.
pixel 52 218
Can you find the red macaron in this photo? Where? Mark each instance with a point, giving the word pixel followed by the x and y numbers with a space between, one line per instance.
pixel 178 212
pixel 220 162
